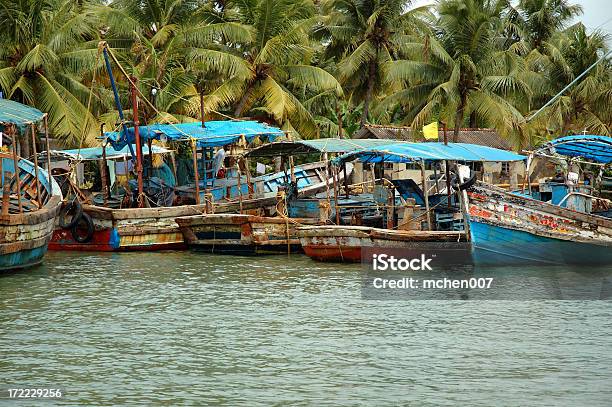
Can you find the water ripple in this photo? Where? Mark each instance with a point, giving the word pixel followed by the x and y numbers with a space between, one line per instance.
pixel 190 329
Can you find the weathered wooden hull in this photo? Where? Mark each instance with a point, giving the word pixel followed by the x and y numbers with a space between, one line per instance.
pixel 507 229
pixel 143 229
pixel 24 244
pixel 24 237
pixel 344 243
pixel 241 234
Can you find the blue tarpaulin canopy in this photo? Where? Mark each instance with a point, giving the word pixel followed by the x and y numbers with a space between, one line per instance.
pixel 594 148
pixel 415 152
pixel 18 114
pixel 324 145
pixel 215 134
pixel 96 153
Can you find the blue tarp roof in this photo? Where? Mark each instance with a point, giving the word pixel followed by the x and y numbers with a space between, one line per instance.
pixel 95 153
pixel 324 145
pixel 591 147
pixel 215 134
pixel 415 152
pixel 18 114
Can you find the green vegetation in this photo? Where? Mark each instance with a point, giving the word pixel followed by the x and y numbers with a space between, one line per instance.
pixel 315 67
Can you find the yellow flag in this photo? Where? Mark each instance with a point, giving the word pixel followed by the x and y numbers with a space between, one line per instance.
pixel 431 131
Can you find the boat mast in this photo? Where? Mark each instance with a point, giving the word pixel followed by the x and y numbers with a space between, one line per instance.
pixel 138 143
pixel 111 78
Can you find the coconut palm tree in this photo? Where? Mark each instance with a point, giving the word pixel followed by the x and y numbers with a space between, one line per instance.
pixel 364 35
pixel 585 106
pixel 459 72
pixel 541 19
pixel 262 51
pixel 47 48
pixel 148 39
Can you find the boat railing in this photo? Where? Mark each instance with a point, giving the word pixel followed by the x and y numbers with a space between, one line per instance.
pixel 569 194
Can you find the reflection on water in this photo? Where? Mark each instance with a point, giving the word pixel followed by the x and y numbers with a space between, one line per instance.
pixel 181 328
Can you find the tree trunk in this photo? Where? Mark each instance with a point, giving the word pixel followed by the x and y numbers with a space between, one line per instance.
pixel 241 105
pixel 473 120
pixel 369 92
pixel 458 121
pixel 24 141
pixel 339 115
pixel 202 106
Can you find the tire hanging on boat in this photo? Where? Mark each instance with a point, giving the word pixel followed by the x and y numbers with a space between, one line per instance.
pixel 67 221
pixel 464 185
pixel 84 223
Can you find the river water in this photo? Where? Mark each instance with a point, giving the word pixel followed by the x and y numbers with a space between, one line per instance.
pixel 182 328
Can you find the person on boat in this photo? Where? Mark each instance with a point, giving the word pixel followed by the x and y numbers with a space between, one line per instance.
pixel 159 185
pixel 162 171
pixel 559 176
pixel 218 160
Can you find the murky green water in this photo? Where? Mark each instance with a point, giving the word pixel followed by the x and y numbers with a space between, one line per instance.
pixel 181 328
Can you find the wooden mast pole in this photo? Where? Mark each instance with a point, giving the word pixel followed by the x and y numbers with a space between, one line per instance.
pixel 33 131
pixel 138 143
pixel 194 149
pixel 425 194
pixel 335 175
pixel 16 163
pixel 46 124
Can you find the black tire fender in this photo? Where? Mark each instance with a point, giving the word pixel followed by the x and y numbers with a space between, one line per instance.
pixel 77 230
pixel 67 208
pixel 464 185
pixel 468 183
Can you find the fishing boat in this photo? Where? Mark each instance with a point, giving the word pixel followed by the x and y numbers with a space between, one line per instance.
pixel 249 234
pixel 514 229
pixel 100 223
pixel 510 229
pixel 30 198
pixel 242 234
pixel 419 223
pixel 345 243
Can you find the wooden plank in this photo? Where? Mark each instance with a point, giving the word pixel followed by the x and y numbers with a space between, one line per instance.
pixel 14 247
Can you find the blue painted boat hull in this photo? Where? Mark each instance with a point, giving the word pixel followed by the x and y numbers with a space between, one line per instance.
pixel 22 259
pixel 496 245
pixel 25 230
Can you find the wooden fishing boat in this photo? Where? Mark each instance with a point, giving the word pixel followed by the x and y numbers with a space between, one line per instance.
pixel 26 222
pixel 148 229
pixel 129 229
pixel 510 229
pixel 558 224
pixel 94 227
pixel 241 234
pixel 345 243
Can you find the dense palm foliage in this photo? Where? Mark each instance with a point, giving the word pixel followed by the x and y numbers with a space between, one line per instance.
pixel 460 74
pixel 317 68
pixel 265 57
pixel 47 51
pixel 364 36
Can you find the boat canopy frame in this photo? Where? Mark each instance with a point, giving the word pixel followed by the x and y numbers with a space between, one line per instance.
pixel 406 152
pixel 590 147
pixel 215 133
